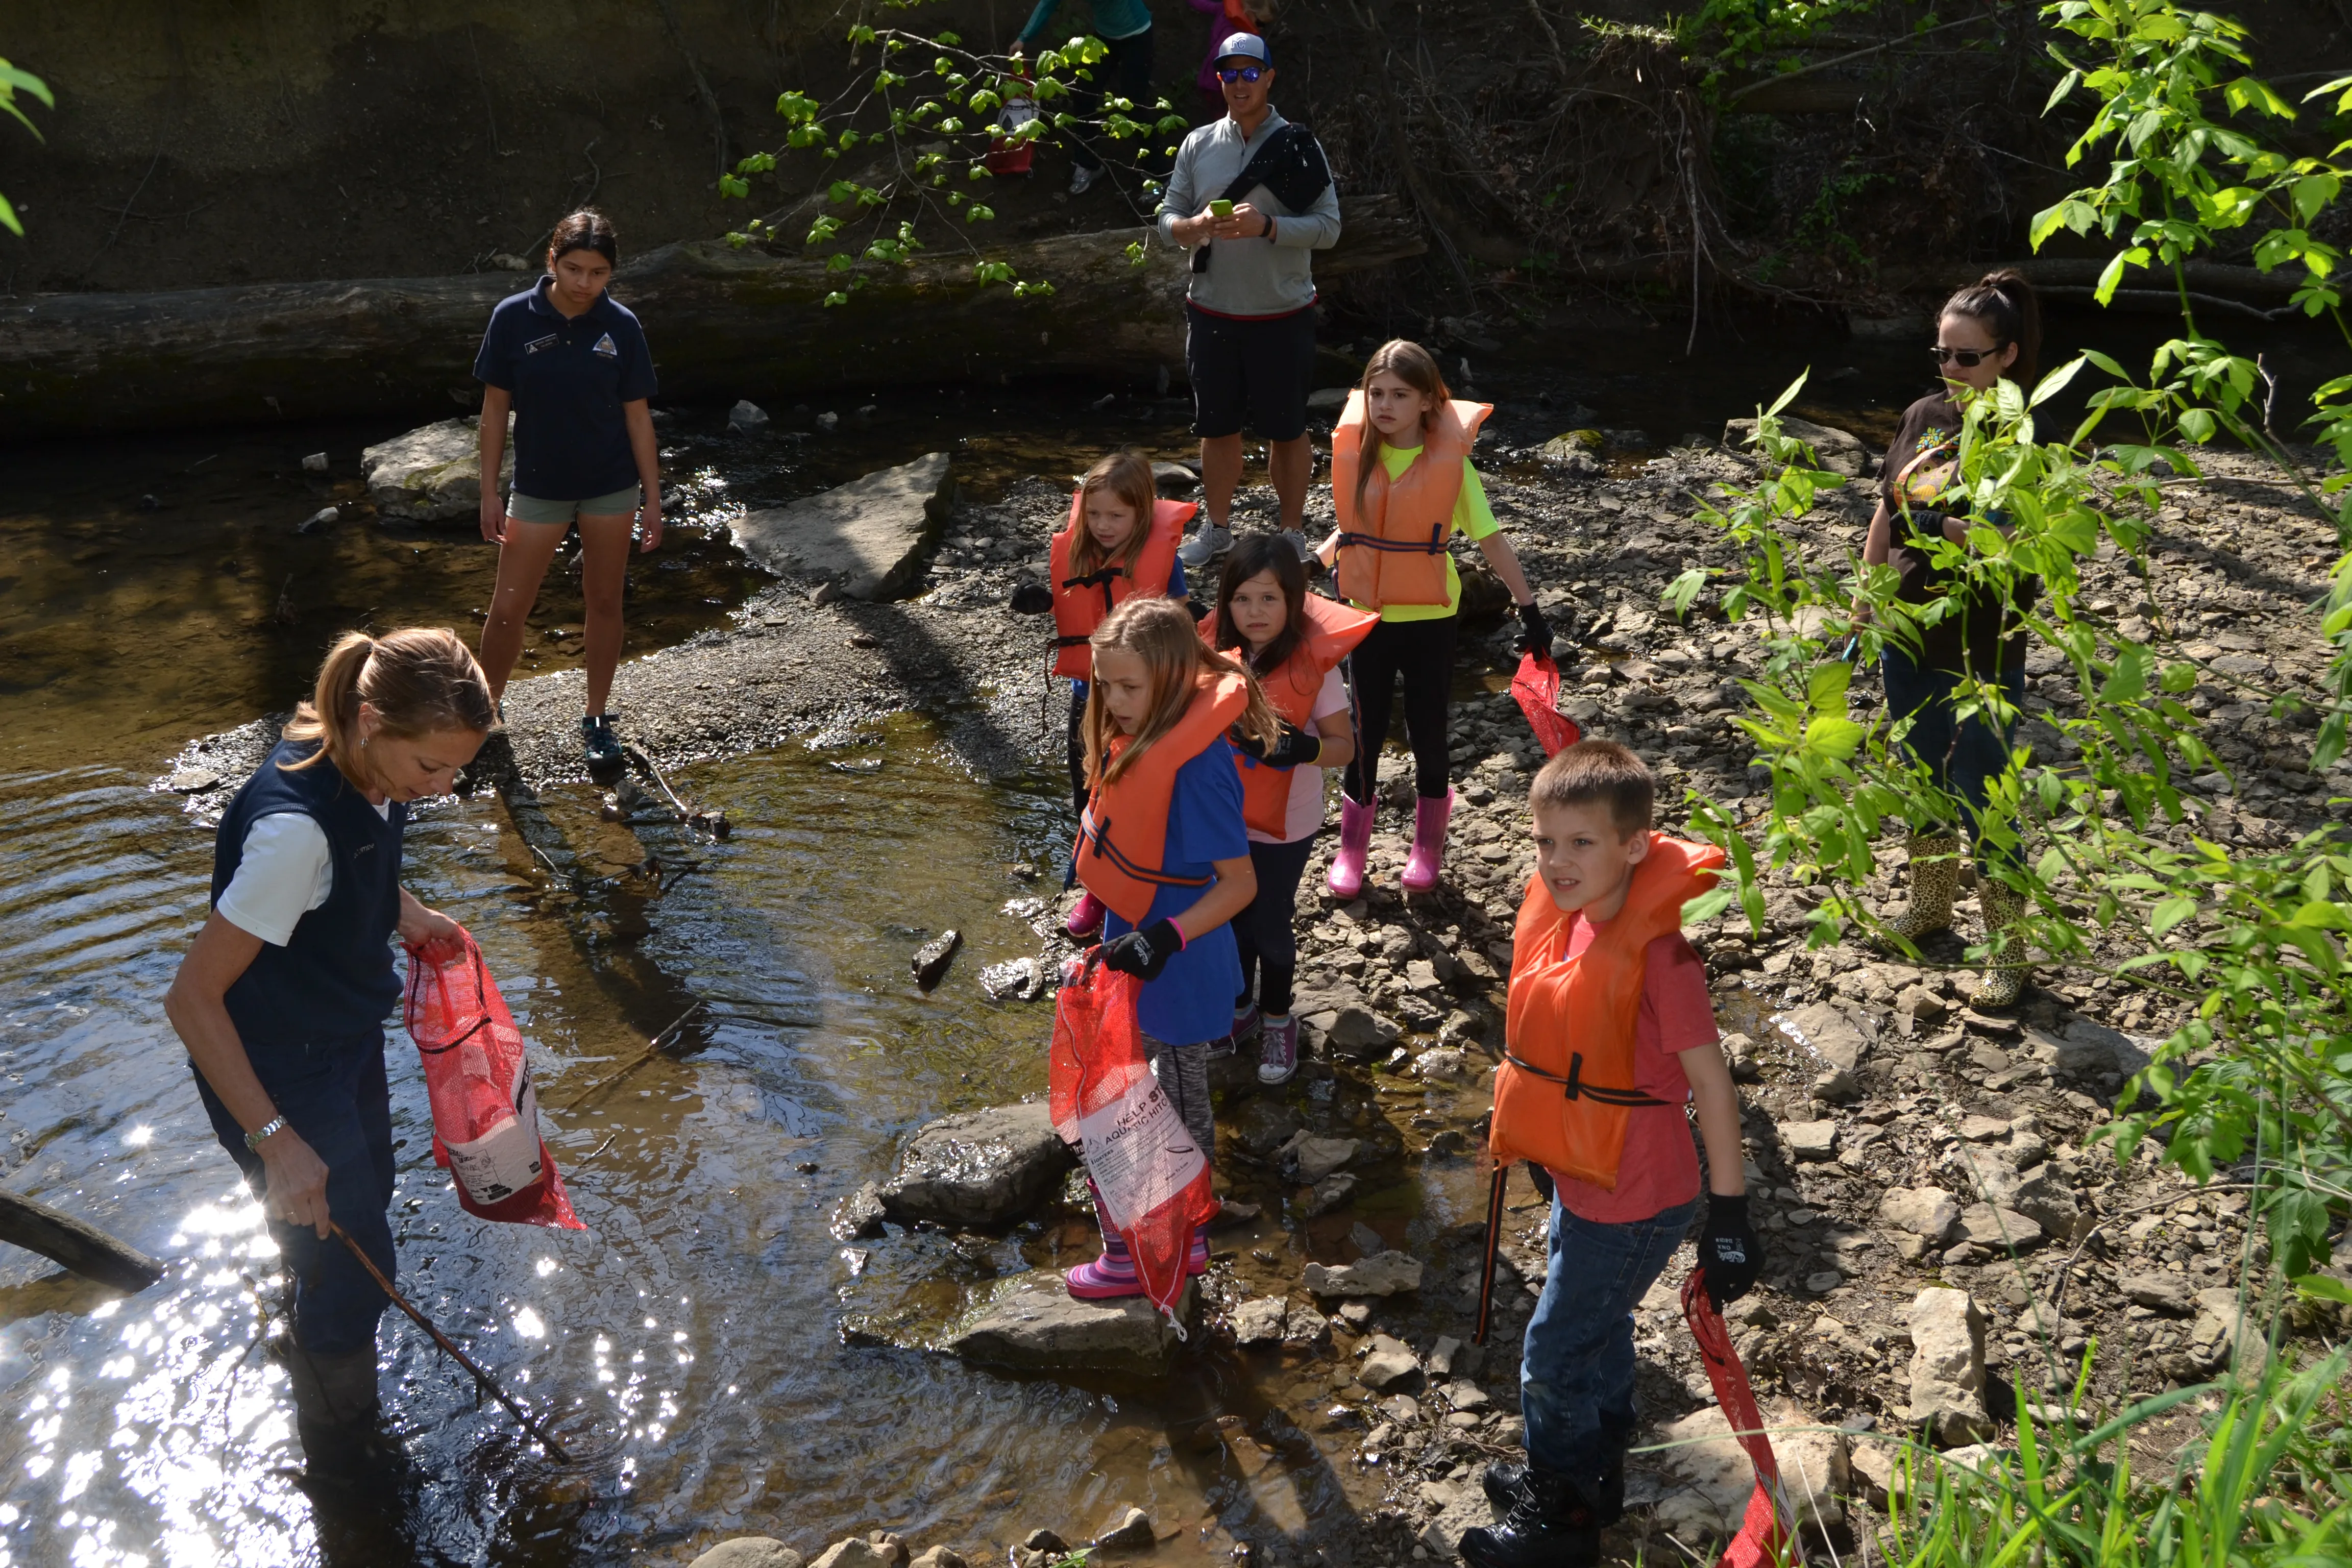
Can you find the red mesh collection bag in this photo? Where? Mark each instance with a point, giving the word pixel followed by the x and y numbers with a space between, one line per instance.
pixel 485 1110
pixel 1766 1538
pixel 1537 688
pixel 1151 1177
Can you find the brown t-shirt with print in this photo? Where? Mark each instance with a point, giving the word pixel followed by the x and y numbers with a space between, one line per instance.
pixel 1918 464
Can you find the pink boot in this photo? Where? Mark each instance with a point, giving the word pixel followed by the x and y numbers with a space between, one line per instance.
pixel 1197 1260
pixel 1085 920
pixel 1429 819
pixel 1111 1275
pixel 1347 879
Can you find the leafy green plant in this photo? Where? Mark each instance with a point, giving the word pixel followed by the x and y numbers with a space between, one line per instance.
pixel 926 109
pixel 2092 832
pixel 2066 1495
pixel 1750 28
pixel 13 81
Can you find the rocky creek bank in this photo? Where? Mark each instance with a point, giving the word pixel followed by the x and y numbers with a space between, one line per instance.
pixel 1945 1240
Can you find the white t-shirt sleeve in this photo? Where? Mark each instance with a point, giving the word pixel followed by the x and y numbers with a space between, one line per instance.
pixel 285 873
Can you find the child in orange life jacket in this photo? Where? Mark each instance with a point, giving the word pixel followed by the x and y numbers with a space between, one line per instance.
pixel 1403 485
pixel 1293 642
pixel 1609 1031
pixel 1121 539
pixel 1161 844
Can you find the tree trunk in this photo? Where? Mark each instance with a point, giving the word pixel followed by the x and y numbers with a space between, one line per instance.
pixel 724 323
pixel 84 1248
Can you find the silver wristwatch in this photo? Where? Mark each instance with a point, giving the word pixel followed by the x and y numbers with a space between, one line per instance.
pixel 255 1139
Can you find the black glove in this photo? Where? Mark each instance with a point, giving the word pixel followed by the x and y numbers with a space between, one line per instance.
pixel 1032 599
pixel 1729 1255
pixel 1143 954
pixel 1535 632
pixel 1295 747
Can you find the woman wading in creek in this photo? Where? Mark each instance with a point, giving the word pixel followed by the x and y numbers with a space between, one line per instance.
pixel 281 1000
pixel 573 367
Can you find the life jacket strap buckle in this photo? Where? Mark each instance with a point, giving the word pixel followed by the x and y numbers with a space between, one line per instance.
pixel 1573 1086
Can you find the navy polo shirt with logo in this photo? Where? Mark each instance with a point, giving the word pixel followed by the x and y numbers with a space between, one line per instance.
pixel 569 376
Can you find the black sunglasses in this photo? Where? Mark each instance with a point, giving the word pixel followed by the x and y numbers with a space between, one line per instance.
pixel 1969 358
pixel 1241 73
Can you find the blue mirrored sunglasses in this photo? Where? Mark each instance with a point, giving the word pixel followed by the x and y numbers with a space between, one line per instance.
pixel 1241 73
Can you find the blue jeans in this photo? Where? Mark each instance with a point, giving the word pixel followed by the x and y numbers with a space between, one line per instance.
pixel 1576 1375
pixel 335 1095
pixel 1962 759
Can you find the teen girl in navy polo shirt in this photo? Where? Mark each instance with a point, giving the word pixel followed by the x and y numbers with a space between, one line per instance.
pixel 573 367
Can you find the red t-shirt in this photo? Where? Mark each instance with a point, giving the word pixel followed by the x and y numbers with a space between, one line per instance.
pixel 1659 1168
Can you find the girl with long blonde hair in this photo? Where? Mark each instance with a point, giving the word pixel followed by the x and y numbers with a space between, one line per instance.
pixel 1161 844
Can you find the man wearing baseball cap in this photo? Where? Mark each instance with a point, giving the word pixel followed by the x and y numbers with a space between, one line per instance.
pixel 1249 340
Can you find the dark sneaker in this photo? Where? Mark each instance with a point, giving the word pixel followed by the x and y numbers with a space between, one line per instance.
pixel 603 746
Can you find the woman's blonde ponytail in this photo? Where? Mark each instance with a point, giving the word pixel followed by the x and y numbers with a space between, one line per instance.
pixel 420 680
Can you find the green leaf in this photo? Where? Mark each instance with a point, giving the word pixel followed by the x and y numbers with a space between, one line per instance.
pixel 1709 904
pixel 1788 397
pixel 1833 737
pixel 2171 913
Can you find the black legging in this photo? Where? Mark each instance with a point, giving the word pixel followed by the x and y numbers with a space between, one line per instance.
pixel 1125 71
pixel 1266 932
pixel 1422 652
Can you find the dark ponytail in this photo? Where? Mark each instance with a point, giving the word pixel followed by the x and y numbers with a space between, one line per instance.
pixel 586 229
pixel 2005 303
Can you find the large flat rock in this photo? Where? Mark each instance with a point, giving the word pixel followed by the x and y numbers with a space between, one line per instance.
pixel 979 1167
pixel 1712 1476
pixel 432 474
pixel 1031 1323
pixel 868 535
pixel 1840 451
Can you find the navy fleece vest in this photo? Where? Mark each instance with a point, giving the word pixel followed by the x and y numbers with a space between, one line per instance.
pixel 334 977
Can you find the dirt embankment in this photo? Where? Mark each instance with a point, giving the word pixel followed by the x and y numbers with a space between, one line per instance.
pixel 1901 1143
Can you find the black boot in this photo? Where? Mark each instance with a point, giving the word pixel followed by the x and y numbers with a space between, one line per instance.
pixel 338 1413
pixel 1502 1484
pixel 1552 1523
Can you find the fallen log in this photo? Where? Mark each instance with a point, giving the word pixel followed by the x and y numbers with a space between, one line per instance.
pixel 724 323
pixel 82 1247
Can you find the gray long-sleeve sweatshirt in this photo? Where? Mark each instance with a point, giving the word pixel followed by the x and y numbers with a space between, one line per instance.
pixel 1247 276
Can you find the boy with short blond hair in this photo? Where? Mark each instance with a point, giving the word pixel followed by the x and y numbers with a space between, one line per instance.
pixel 1611 1032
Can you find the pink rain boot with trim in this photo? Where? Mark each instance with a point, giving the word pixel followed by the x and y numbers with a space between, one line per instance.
pixel 1347 878
pixel 1111 1275
pixel 1086 919
pixel 1429 816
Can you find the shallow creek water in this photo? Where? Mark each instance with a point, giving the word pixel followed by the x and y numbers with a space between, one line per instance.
pixel 689 1343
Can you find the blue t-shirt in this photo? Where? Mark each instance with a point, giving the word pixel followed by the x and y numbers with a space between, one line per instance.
pixel 1176 590
pixel 570 377
pixel 1193 1000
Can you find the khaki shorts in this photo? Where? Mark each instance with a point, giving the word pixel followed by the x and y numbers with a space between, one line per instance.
pixel 530 509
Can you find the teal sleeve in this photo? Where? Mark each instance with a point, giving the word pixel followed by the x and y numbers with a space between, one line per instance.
pixel 1039 20
pixel 1473 518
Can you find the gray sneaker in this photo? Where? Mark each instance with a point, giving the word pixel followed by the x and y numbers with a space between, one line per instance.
pixel 1206 545
pixel 1082 179
pixel 1297 540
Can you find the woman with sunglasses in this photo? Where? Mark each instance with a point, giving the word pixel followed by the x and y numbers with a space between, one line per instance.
pixel 1987 332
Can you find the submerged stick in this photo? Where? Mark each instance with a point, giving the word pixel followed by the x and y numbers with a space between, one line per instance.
pixel 79 1246
pixel 481 1379
pixel 654 1048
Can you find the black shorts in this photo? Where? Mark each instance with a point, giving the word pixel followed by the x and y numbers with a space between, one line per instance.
pixel 1262 369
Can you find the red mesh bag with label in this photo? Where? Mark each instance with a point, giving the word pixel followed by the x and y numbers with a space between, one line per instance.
pixel 1151 1177
pixel 485 1110
pixel 1537 688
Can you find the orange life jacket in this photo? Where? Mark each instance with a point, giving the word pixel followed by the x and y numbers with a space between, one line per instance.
pixel 1566 1084
pixel 1080 604
pixel 1395 552
pixel 1333 630
pixel 1123 836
